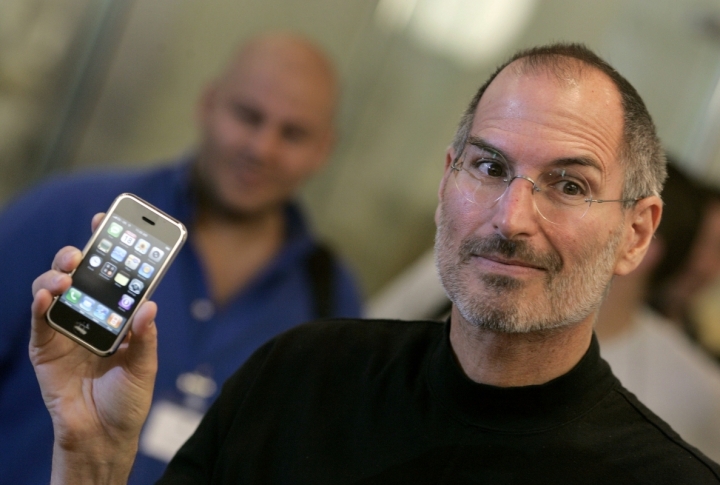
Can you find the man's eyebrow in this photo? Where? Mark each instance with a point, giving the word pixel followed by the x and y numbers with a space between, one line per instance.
pixel 481 143
pixel 240 106
pixel 582 161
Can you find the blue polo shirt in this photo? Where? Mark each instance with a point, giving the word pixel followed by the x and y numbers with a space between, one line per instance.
pixel 194 336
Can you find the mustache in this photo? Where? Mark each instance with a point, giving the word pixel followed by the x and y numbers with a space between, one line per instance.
pixel 249 159
pixel 519 250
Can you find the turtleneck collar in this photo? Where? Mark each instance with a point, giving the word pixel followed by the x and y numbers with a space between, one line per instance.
pixel 519 409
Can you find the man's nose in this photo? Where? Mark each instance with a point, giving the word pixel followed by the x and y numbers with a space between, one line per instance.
pixel 265 142
pixel 515 210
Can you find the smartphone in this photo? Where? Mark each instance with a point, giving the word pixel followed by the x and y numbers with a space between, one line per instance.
pixel 122 264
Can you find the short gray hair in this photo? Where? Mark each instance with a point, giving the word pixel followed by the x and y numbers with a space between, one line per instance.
pixel 641 153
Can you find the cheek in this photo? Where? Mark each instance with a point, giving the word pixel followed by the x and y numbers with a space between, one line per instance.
pixel 571 246
pixel 709 258
pixel 226 131
pixel 462 207
pixel 461 219
pixel 595 233
pixel 295 162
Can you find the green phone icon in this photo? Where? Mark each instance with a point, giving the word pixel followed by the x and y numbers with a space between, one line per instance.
pixel 73 295
pixel 115 229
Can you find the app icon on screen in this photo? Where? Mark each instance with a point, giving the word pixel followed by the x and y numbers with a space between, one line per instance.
pixel 115 229
pixel 118 254
pixel 146 270
pixel 122 279
pixel 136 286
pixel 72 295
pixel 132 261
pixel 115 320
pixel 126 302
pixel 95 260
pixel 142 246
pixel 156 254
pixel 128 238
pixel 101 312
pixel 87 303
pixel 104 246
pixel 108 270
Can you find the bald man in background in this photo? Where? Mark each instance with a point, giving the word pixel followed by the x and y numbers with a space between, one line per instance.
pixel 251 269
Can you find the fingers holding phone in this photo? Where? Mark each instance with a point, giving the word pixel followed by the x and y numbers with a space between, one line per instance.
pixel 46 287
pixel 55 282
pixel 63 264
pixel 98 393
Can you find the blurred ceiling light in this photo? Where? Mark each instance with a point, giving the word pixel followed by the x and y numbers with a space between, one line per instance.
pixel 470 32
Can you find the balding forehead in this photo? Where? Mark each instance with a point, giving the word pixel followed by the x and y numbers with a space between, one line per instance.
pixel 287 58
pixel 285 42
pixel 566 70
pixel 290 49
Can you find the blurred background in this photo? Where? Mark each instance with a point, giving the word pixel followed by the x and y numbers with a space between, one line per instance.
pixel 103 84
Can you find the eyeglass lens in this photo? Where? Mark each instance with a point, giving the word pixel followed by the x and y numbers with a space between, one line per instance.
pixel 560 195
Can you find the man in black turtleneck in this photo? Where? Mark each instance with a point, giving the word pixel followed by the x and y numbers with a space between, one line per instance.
pixel 550 189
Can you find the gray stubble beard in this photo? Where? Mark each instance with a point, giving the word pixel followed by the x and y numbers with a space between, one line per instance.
pixel 572 294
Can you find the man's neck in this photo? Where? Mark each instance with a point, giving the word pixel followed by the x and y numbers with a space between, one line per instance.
pixel 511 360
pixel 234 250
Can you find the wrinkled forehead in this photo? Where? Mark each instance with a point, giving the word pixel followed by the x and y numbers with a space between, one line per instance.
pixel 541 114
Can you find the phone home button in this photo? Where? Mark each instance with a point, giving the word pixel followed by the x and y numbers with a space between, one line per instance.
pixel 81 327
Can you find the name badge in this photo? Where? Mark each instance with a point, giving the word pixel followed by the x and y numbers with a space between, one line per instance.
pixel 168 426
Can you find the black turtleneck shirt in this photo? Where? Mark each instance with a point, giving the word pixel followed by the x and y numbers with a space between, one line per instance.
pixel 385 402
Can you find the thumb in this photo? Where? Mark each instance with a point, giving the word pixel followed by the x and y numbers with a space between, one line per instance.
pixel 41 333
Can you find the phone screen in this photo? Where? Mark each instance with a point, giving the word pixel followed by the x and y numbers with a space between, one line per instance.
pixel 115 273
pixel 121 266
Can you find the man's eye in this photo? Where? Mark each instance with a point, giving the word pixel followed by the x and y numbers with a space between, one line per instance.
pixel 490 168
pixel 295 134
pixel 565 184
pixel 570 188
pixel 247 115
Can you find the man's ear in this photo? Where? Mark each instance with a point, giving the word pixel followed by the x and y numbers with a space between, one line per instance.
pixel 449 157
pixel 644 220
pixel 204 104
pixel 447 170
pixel 326 144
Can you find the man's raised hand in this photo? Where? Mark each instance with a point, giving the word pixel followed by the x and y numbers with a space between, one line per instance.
pixel 97 404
